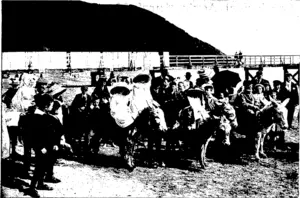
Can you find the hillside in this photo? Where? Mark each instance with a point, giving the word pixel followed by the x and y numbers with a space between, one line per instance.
pixel 81 26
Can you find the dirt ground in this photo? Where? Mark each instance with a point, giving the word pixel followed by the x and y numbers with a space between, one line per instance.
pixel 105 176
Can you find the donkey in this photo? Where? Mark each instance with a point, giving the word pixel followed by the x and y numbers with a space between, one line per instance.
pixel 272 114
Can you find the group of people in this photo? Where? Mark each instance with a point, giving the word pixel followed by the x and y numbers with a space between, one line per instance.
pixel 39 128
pixel 258 92
pixel 90 114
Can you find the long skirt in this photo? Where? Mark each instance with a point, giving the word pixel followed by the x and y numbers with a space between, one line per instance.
pixel 5 140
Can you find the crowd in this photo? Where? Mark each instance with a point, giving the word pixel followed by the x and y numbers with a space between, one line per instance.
pixel 43 105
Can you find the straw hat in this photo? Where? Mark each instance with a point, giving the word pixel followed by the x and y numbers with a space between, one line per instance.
pixel 259 85
pixel 56 90
pixel 42 81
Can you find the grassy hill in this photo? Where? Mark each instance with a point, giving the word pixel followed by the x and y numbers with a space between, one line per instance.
pixel 81 26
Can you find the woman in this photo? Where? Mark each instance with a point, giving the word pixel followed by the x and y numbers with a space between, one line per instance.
pixel 24 97
pixel 260 100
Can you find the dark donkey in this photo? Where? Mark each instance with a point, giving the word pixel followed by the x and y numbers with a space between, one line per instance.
pixel 196 128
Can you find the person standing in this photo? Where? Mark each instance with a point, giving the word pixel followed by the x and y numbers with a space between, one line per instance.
pixel 25 126
pixel 291 90
pixel 46 139
pixel 80 109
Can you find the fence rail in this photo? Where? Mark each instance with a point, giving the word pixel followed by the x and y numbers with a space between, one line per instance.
pixel 233 61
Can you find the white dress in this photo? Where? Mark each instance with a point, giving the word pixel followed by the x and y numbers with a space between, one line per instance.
pixel 5 141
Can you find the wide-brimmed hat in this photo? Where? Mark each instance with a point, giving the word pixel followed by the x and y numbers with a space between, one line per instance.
pixel 42 81
pixel 203 73
pixel 56 90
pixel 259 85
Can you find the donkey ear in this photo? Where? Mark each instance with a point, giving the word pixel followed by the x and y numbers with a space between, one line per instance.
pixel 285 102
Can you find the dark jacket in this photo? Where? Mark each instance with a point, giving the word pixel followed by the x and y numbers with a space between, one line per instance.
pixel 100 93
pixel 46 131
pixel 79 102
pixel 292 94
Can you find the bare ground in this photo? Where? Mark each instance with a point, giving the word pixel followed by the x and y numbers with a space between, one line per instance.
pixel 105 176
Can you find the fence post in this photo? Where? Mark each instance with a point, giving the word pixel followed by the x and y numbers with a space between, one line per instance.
pixel 176 61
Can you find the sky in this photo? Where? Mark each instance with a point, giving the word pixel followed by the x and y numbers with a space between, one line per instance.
pixel 256 27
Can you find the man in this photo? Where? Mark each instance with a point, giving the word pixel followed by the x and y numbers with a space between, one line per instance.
pixel 291 90
pixel 80 109
pixel 46 138
pixel 161 79
pixel 258 79
pixel 187 82
pixel 248 108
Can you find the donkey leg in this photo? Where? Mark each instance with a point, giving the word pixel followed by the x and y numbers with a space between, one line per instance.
pixel 261 152
pixel 257 145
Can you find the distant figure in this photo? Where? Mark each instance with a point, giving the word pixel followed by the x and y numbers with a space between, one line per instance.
pixel 101 91
pixel 240 57
pixel 112 79
pixel 187 82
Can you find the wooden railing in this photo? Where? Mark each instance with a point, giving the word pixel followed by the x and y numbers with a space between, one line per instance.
pixel 232 61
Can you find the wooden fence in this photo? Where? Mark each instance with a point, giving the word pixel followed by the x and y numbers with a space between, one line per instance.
pixel 232 61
